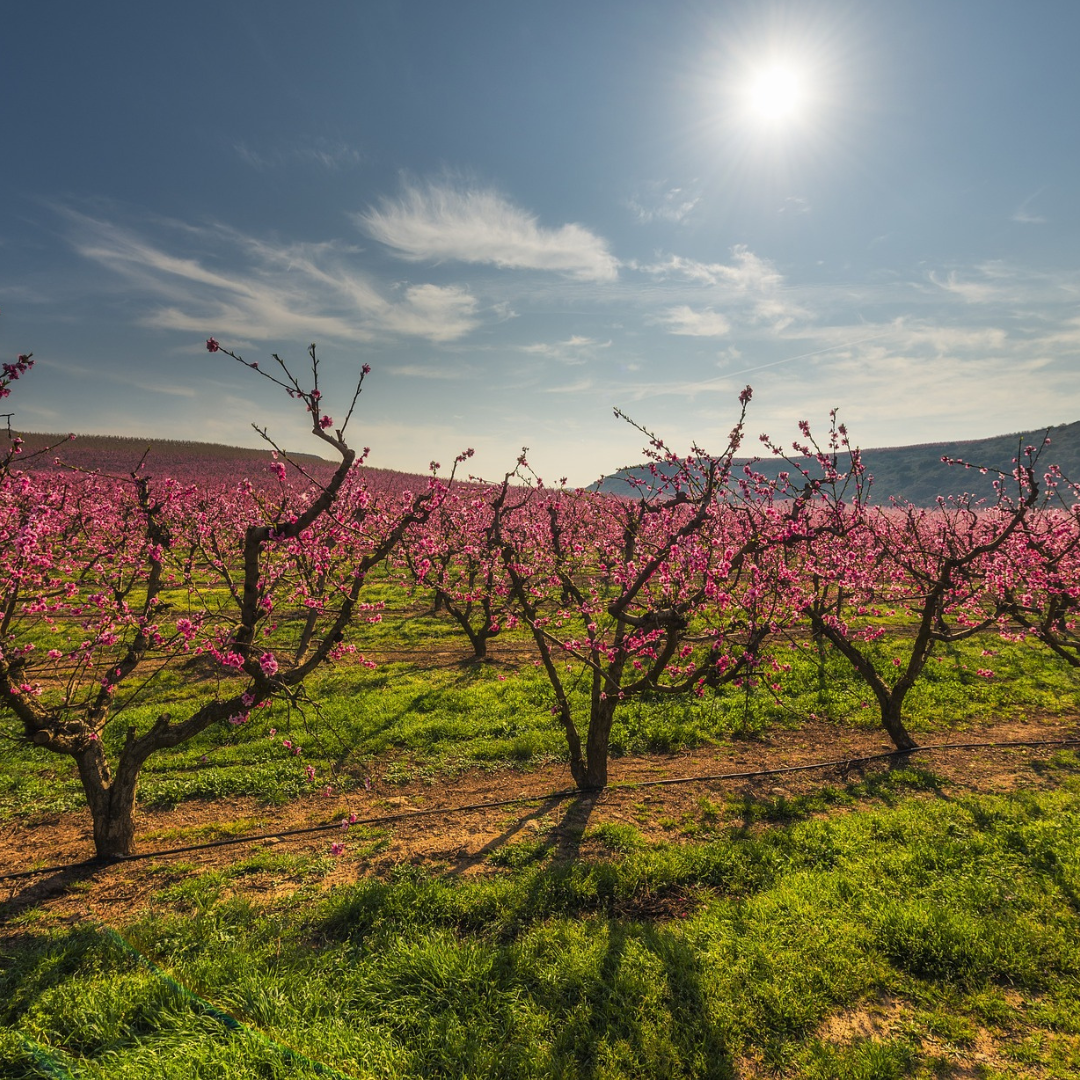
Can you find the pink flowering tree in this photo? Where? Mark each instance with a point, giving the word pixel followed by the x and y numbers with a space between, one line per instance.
pixel 453 555
pixel 669 592
pixel 106 582
pixel 1038 574
pixel 933 569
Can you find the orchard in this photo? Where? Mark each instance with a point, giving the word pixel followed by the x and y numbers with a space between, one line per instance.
pixel 693 585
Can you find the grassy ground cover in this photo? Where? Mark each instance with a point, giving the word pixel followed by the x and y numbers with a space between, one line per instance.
pixel 911 935
pixel 432 714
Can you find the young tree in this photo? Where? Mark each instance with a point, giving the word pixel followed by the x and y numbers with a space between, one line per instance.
pixel 452 554
pixel 935 565
pixel 101 569
pixel 664 593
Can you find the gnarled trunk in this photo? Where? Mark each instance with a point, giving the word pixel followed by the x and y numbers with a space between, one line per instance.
pixel 111 801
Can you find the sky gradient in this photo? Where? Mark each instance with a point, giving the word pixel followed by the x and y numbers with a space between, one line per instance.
pixel 523 215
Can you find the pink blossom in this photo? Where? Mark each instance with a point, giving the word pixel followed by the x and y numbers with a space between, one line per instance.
pixel 212 345
pixel 268 664
pixel 336 848
pixel 326 422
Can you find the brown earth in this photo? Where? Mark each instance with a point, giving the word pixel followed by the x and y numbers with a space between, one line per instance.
pixel 423 822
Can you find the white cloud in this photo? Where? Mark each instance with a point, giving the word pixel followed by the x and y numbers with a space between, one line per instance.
pixel 575 350
pixel 659 204
pixel 974 292
pixel 436 312
pixel 750 287
pixel 794 204
pixel 746 271
pixel 280 290
pixel 438 222
pixel 686 321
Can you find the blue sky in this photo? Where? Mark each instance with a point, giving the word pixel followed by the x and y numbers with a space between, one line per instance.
pixel 522 215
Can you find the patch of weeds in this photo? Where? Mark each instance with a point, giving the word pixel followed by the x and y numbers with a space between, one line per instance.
pixel 399 772
pixel 270 862
pixel 618 837
pixel 1064 759
pixel 522 853
pixel 195 894
pixel 30 917
pixel 175 869
pixel 949 1026
pixel 210 830
pixel 863 1059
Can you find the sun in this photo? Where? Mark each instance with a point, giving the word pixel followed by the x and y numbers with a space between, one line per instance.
pixel 776 94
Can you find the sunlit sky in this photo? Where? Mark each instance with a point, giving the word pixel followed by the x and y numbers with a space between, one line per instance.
pixel 521 215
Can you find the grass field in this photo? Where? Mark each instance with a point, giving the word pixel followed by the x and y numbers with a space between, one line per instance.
pixel 902 925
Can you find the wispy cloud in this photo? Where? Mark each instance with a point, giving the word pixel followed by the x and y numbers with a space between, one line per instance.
pixel 1023 213
pixel 794 204
pixel 442 372
pixel 659 202
pixel 573 351
pixel 974 292
pixel 330 154
pixel 686 321
pixel 437 222
pixel 278 291
pixel 746 271
pixel 750 285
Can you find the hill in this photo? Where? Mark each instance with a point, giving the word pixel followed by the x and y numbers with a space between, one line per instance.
pixel 917 474
pixel 192 462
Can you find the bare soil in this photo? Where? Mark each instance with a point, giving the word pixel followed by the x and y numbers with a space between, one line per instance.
pixel 422 822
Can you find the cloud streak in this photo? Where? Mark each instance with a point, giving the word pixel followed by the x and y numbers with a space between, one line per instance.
pixel 280 290
pixel 439 222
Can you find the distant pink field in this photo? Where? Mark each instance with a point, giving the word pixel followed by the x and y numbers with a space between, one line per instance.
pixel 209 465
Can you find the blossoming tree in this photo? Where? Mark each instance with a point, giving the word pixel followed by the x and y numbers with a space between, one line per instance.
pixel 105 582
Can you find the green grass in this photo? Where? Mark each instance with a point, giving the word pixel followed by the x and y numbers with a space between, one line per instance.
pixel 421 722
pixel 960 916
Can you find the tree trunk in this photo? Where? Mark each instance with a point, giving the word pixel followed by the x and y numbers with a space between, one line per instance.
pixel 893 723
pixel 111 802
pixel 594 775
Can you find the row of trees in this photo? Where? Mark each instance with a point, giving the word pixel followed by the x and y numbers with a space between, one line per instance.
pixel 110 581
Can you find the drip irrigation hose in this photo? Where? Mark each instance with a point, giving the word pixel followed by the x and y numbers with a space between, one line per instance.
pixel 564 793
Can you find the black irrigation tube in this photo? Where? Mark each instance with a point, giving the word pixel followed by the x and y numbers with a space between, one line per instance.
pixel 565 793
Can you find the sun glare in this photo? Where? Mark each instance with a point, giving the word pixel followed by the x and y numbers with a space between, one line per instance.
pixel 775 94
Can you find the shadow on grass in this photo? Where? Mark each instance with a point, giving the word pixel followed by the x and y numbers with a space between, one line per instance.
pixel 566 836
pixel 898 779
pixel 27 893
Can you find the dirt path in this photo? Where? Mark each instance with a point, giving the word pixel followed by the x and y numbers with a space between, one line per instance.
pixel 462 842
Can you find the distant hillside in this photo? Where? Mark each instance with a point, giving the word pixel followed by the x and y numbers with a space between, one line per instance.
pixel 192 462
pixel 917 474
pixel 120 451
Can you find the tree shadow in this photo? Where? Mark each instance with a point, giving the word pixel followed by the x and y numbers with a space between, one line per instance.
pixel 887 782
pixel 563 841
pixel 474 858
pixel 698 1042
pixel 27 893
